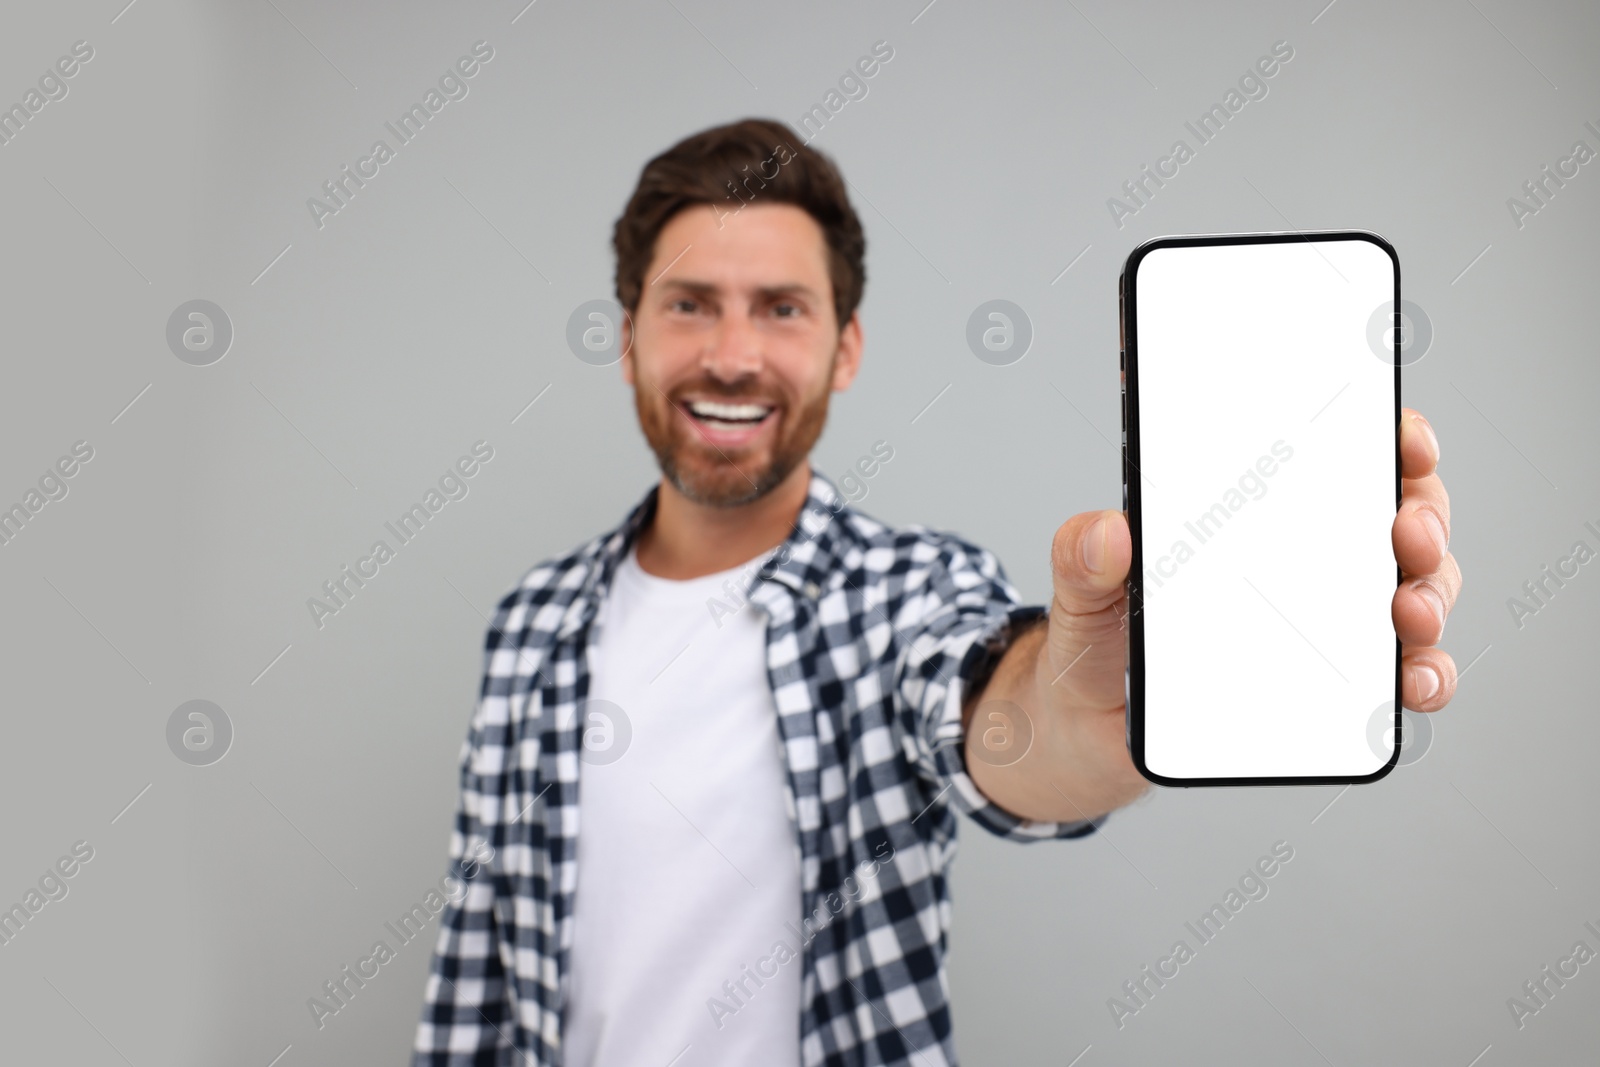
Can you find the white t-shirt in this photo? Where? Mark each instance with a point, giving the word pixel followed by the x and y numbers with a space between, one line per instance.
pixel 688 863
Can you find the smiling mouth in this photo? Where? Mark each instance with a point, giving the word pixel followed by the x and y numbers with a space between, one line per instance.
pixel 719 416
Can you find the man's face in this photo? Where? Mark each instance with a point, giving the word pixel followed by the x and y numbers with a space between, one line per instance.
pixel 734 348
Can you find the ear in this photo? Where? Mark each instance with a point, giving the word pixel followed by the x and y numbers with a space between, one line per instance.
pixel 848 359
pixel 626 339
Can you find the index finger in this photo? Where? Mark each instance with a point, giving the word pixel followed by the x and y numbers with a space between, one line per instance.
pixel 1419 445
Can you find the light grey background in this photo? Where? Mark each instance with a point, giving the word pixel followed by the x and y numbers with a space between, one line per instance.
pixel 428 314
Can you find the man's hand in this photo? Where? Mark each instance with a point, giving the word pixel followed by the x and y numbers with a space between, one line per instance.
pixel 1067 677
pixel 1431 581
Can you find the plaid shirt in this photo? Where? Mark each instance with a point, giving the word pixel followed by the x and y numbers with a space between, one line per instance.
pixel 872 636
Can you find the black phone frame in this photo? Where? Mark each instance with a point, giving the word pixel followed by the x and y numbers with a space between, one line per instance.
pixel 1132 496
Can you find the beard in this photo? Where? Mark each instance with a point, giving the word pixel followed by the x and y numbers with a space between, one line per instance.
pixel 722 477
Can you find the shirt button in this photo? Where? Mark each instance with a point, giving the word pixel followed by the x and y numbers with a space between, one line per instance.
pixel 813 590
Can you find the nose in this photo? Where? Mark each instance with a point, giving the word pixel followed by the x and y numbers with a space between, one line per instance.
pixel 733 350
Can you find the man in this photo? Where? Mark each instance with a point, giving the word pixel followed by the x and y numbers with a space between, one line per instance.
pixel 709 795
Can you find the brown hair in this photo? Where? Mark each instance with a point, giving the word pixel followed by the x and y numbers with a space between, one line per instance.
pixel 751 161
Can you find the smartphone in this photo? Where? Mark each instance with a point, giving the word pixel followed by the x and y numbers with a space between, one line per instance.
pixel 1261 477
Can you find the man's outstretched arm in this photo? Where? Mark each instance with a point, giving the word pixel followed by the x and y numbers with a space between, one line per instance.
pixel 1067 675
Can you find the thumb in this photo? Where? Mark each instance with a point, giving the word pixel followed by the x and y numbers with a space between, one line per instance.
pixel 1089 561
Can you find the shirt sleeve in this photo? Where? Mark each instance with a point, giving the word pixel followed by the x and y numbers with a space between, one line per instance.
pixel 466 1016
pixel 970 616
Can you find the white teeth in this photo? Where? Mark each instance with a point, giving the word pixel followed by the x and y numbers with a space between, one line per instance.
pixel 707 409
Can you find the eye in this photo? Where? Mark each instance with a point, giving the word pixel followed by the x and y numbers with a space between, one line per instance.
pixel 683 303
pixel 786 310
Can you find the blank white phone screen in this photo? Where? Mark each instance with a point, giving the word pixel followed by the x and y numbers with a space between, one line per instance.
pixel 1266 421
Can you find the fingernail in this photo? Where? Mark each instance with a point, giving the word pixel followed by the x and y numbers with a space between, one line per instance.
pixel 1425 680
pixel 1435 603
pixel 1428 429
pixel 1435 529
pixel 1094 545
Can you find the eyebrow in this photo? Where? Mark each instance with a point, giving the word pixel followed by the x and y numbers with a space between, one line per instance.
pixel 765 292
